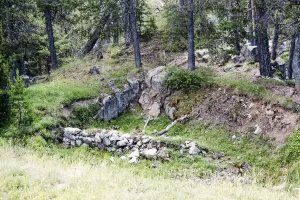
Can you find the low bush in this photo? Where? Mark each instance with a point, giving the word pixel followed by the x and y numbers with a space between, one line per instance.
pixel 182 79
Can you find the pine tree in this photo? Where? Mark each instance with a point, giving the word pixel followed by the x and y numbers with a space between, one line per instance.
pixel 20 110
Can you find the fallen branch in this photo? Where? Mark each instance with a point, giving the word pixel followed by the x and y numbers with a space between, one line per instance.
pixel 146 124
pixel 181 119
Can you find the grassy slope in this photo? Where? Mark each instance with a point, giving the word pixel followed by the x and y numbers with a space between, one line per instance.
pixel 28 175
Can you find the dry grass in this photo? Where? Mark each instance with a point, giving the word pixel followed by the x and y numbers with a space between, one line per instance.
pixel 25 175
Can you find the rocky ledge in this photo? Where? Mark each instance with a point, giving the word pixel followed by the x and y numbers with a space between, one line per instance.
pixel 135 147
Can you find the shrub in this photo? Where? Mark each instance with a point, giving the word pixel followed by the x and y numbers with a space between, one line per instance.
pixel 182 79
pixel 20 109
pixel 291 150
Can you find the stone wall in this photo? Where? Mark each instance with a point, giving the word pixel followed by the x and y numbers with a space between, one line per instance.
pixel 135 147
pixel 113 105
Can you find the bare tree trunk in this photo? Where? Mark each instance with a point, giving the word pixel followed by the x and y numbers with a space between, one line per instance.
pixel 22 66
pixel 135 35
pixel 275 39
pixel 127 26
pixel 250 18
pixel 94 37
pixel 292 50
pixel 263 40
pixel 296 63
pixel 49 29
pixel 191 37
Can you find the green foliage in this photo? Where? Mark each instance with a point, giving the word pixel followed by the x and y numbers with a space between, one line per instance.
pixel 182 79
pixel 20 110
pixel 291 150
pixel 82 116
pixel 4 95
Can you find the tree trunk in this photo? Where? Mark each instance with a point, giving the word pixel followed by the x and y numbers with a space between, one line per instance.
pixel 22 66
pixel 237 40
pixel 49 29
pixel 263 40
pixel 191 36
pixel 292 50
pixel 251 31
pixel 296 63
pixel 94 37
pixel 127 26
pixel 275 39
pixel 135 35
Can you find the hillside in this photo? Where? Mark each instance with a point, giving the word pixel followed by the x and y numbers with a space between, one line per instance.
pixel 149 99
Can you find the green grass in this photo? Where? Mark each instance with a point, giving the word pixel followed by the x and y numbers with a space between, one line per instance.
pixel 84 174
pixel 50 96
pixel 245 87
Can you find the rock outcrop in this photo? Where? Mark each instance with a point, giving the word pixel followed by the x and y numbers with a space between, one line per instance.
pixel 113 105
pixel 152 98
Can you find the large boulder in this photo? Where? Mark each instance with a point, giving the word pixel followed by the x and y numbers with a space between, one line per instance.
pixel 248 52
pixel 153 96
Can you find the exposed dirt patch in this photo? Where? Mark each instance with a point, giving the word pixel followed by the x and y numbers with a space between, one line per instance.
pixel 282 90
pixel 242 115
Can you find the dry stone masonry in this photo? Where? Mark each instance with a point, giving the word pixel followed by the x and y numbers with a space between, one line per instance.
pixel 135 146
pixel 113 105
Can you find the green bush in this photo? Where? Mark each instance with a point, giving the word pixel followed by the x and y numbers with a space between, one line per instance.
pixel 82 116
pixel 182 79
pixel 21 113
pixel 291 150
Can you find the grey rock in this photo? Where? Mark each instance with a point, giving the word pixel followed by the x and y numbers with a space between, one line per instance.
pixel 134 84
pixel 72 131
pixel 98 138
pixel 258 130
pixel 87 140
pixel 151 73
pixel 194 150
pixel 154 110
pixel 170 111
pixel 139 143
pixel 78 142
pixel 69 136
pixel 112 106
pixel 106 142
pixel 163 154
pixel 133 160
pixel 150 153
pixel 95 70
pixel 146 140
pixel 122 143
pixel 158 81
pixel 201 52
pixel 135 153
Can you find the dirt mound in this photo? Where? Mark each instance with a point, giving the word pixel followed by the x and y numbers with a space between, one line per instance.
pixel 243 115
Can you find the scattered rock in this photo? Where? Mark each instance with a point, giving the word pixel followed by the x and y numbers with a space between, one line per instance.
pixel 72 131
pixel 270 112
pixel 95 70
pixel 155 164
pixel 194 150
pixel 135 153
pixel 258 130
pixel 149 153
pixel 133 160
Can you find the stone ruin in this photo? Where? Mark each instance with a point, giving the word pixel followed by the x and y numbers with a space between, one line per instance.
pixel 113 105
pixel 135 147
